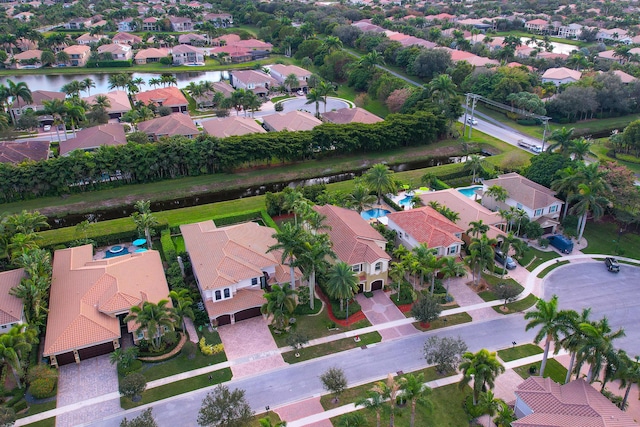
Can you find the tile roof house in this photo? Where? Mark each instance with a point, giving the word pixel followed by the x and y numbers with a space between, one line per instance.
pixel 119 52
pixel 180 24
pixel 536 200
pixel 78 55
pixel 561 75
pixel 186 54
pixel 37 103
pixel 11 307
pixel 87 38
pixel 468 209
pixel 351 115
pixel 167 126
pixel 219 20
pixel 542 402
pixel 169 96
pixel 292 121
pixel 253 80
pixel 126 38
pixel 233 268
pixel 148 56
pixel 27 59
pixel 280 72
pixel 27 151
pixel 358 244
pixel 90 139
pixel 193 39
pixel 426 226
pixel 78 24
pixel 89 298
pixel 536 25
pixel 224 127
pixel 150 24
pixel 118 100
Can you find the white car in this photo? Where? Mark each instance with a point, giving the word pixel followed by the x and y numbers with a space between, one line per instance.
pixel 472 121
pixel 46 128
pixel 300 93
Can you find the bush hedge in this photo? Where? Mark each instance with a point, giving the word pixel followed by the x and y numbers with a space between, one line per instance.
pixel 92 63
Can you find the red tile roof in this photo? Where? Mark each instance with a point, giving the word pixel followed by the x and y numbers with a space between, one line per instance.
pixel 90 138
pixel 10 306
pixel 525 191
pixel 169 96
pixel 428 226
pixel 351 115
pixel 18 152
pixel 171 125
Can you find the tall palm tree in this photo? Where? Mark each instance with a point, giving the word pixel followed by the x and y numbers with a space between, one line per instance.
pixel 475 164
pixel 289 243
pixel 567 184
pixel 324 89
pixel 598 346
pixel 332 43
pixel 481 254
pixel 144 220
pixel 315 251
pixel 155 82
pixel 389 390
pixel 580 148
pixel 629 374
pixel 477 228
pixel 291 82
pixel 361 198
pixel 73 88
pixel 573 338
pixel 315 97
pixel 15 346
pixel 380 179
pixel 415 391
pixel 370 60
pixel 562 140
pixel 76 115
pixel 182 305
pixel 442 89
pixel 483 367
pixel 451 268
pixel 342 282
pixel 588 199
pixel 373 401
pixel 58 110
pixel 281 302
pixel 18 91
pixel 499 193
pixel 505 245
pixel 552 323
pixel 87 84
pixel 154 319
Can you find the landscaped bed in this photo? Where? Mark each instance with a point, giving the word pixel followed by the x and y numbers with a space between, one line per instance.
pixel 518 352
pixel 552 267
pixel 553 370
pixel 444 321
pixel 307 353
pixel 517 306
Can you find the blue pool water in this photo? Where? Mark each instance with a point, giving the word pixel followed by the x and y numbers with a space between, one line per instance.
pixel 374 213
pixel 406 201
pixel 469 191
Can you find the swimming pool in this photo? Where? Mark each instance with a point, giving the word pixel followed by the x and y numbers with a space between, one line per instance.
pixel 406 201
pixel 469 192
pixel 374 213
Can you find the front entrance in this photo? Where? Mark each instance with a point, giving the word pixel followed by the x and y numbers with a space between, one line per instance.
pixel 377 285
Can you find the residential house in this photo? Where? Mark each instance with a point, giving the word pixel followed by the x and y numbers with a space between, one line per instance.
pixel 88 39
pixel 624 77
pixel 180 24
pixel 127 24
pixel 151 55
pixel 78 24
pixel 118 52
pixel 571 31
pixel 426 226
pixel 27 151
pixel 23 16
pixel 167 126
pixel 224 127
pixel 441 17
pixel 78 55
pixel 233 266
pixel 232 49
pixel 542 402
pixel 351 115
pixel 617 35
pixel 193 39
pixel 89 299
pixel 536 200
pixel 37 104
pixel 357 243
pixel 126 38
pixel 225 40
pixel 468 209
pixel 150 24
pixel 28 59
pixel 538 26
pixel 475 60
pixel 90 139
pixel 185 54
pixel 219 20
pixel 225 88
pixel 253 80
pixel 167 96
pixel 118 100
pixel 292 121
pixel 232 54
pixel 611 55
pixel 11 307
pixel 280 72
pixel 561 75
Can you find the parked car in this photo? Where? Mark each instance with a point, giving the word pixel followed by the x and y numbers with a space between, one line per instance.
pixel 300 93
pixel 562 243
pixel 472 121
pixel 501 259
pixel 46 128
pixel 612 265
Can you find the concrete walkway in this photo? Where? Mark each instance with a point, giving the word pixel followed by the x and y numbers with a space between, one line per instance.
pixel 191 330
pixel 379 310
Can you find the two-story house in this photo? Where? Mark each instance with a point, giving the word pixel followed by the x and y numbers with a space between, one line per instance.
pixel 186 54
pixel 539 202
pixel 88 39
pixel 78 55
pixel 233 267
pixel 571 31
pixel 537 26
pixel 180 24
pixel 127 24
pixel 118 52
pixel 78 24
pixel 358 244
pixel 126 38
pixel 150 24
pixel 280 72
pixel 219 20
pixel 253 80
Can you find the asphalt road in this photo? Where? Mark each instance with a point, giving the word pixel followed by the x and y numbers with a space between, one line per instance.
pixel 499 130
pixel 614 295
pixel 301 381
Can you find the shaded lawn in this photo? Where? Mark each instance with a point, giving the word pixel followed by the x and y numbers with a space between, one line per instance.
pixel 541 257
pixel 601 236
pixel 492 281
pixel 49 422
pixel 332 347
pixel 518 352
pixel 272 416
pixel 551 268
pixel 517 306
pixel 36 408
pixel 553 370
pixel 444 321
pixel 600 149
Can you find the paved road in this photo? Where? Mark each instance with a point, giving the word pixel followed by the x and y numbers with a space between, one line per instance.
pixel 300 381
pixel 590 284
pixel 499 130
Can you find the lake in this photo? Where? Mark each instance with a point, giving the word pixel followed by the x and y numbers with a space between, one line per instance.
pixel 557 47
pixel 55 81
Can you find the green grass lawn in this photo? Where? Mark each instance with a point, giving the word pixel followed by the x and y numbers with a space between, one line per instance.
pixel 601 150
pixel 553 370
pixel 519 352
pixel 551 268
pixel 492 281
pixel 320 350
pixel 517 306
pixel 444 321
pixel 540 257
pixel 49 422
pixel 602 238
pixel 272 416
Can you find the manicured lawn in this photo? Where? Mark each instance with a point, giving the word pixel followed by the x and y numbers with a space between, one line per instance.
pixel 179 387
pixel 525 350
pixel 320 350
pixel 37 408
pixel 444 321
pixel 514 307
pixel 600 149
pixel 551 268
pixel 492 281
pixel 49 422
pixel 553 370
pixel 540 257
pixel 602 237
pixel 273 417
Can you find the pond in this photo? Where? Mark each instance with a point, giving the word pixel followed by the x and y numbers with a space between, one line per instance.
pixel 557 47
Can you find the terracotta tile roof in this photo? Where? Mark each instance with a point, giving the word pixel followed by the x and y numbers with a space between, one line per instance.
pixel 223 87
pixel 285 70
pixel 291 121
pixel 354 239
pixel 225 256
pixel 468 209
pixel 77 50
pixel 252 76
pixel 351 115
pixel 152 53
pixel 243 299
pixel 188 38
pixel 114 49
pixel 169 96
pixel 574 404
pixel 524 191
pixel 86 295
pixel 561 73
pixel 94 137
pixel 18 152
pixel 428 226
pixel 171 125
pixel 227 39
pixel 10 306
pixel 230 126
pixel 118 99
pixel 39 96
pixel 29 54
pixel 126 38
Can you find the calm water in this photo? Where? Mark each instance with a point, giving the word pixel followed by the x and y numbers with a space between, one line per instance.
pixel 469 191
pixel 55 82
pixel 374 213
pixel 557 47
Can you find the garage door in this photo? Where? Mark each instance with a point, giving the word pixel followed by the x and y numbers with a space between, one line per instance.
pixel 377 285
pixel 248 314
pixel 224 320
pixel 96 350
pixel 65 358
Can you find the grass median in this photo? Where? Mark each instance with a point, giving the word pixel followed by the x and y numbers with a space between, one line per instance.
pixel 553 370
pixel 332 347
pixel 519 352
pixel 517 306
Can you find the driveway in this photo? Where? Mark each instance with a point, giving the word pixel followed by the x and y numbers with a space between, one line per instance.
pixel 299 103
pixel 380 309
pixel 91 378
pixel 589 284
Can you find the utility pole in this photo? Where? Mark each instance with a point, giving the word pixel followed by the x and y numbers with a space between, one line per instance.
pixel 473 109
pixel 464 123
pixel 544 132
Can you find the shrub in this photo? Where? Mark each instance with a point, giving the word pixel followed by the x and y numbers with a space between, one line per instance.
pixel 20 406
pixel 407 295
pixel 533 369
pixel 354 307
pixel 533 230
pixel 134 366
pixel 543 243
pixel 132 385
pixel 210 349
pixel 278 107
pixel 170 338
pixel 43 388
pixel 189 350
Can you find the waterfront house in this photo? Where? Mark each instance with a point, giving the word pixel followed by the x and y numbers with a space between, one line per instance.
pixel 26 151
pixel 280 72
pixel 118 100
pixel 168 96
pixel 253 80
pixel 350 115
pixel 180 24
pixel 118 52
pixel 78 55
pixel 126 38
pixel 151 55
pixel 224 127
pixel 167 126
pixel 186 54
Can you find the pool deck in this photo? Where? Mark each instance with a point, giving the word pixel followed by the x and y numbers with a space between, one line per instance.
pixel 404 193
pixel 101 252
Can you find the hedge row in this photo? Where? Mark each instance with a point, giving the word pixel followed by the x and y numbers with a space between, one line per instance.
pixel 108 63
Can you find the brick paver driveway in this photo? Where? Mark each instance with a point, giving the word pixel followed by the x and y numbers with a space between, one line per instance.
pixel 380 309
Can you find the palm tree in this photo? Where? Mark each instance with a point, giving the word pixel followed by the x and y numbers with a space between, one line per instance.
pixel 332 43
pixel 451 268
pixel 47 58
pixel 489 403
pixel 266 422
pixel 505 415
pixel 573 338
pixel 153 318
pixel 58 109
pixel 324 89
pixel 562 140
pixel 155 82
pixel 380 179
pixel 182 302
pixel 18 91
pixel 442 89
pixel 87 84
pixel 389 390
pixel 481 254
pixel 144 220
pixel 316 250
pixel 552 323
pixel 370 60
pixel 597 347
pixel 26 222
pixel 629 374
pixel 73 88
pixel 75 114
pixel 315 97
pixel 567 184
pixel 483 367
pixel 415 391
pixel 289 243
pixel 342 283
pixel 373 402
pixel 281 302
pixel 505 245
pixel 291 81
pixel 475 164
pixel 477 228
pixel 581 148
pixel 16 345
pixel 499 193
pixel 361 198
pixel 588 198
